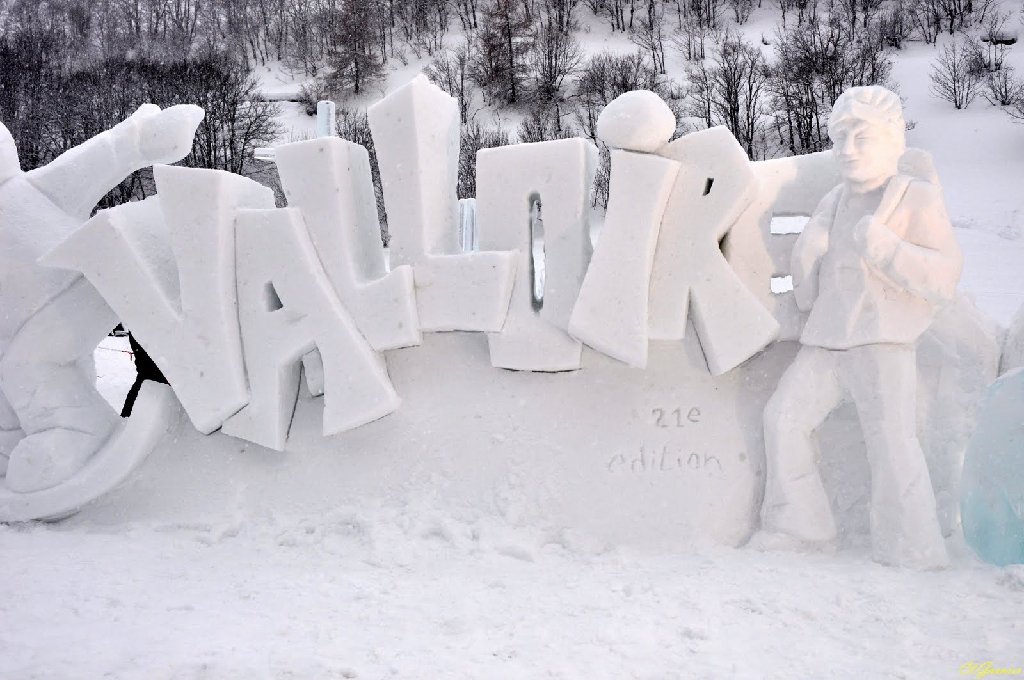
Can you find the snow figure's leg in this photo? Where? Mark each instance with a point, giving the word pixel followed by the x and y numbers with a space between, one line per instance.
pixel 904 526
pixel 42 376
pixel 795 502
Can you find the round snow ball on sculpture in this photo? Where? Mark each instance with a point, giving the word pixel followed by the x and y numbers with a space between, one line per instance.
pixel 636 121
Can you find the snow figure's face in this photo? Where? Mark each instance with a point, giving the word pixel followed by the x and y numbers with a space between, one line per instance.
pixel 9 165
pixel 867 152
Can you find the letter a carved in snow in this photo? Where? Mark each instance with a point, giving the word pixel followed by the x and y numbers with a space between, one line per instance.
pixel 287 308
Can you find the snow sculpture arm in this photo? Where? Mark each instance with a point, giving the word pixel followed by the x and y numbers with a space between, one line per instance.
pixel 77 179
pixel 927 261
pixel 810 247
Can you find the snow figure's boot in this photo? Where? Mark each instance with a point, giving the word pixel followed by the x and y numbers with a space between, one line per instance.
pixel 49 387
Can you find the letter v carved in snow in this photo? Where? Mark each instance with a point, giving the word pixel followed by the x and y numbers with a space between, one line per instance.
pixel 166 266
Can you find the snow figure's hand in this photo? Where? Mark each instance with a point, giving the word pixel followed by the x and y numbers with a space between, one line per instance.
pixel 875 241
pixel 166 136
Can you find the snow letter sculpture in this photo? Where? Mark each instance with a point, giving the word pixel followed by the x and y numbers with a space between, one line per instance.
pixel 416 136
pixel 658 258
pixel 554 179
pixel 611 313
pixel 166 266
pixel 53 418
pixel 873 263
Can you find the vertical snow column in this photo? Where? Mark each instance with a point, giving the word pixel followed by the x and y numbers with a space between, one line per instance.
pixel 166 266
pixel 611 312
pixel 288 307
pixel 713 187
pixel 785 187
pixel 517 187
pixel 416 138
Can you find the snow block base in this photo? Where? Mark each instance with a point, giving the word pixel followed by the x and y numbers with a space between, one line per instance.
pixel 662 458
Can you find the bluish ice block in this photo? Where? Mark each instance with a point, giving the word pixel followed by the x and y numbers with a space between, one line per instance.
pixel 992 490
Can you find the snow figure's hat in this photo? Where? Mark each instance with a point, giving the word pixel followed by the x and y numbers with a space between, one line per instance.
pixel 9 164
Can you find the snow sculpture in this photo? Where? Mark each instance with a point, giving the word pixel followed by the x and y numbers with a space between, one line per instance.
pixel 653 269
pixel 636 121
pixel 691 274
pixel 155 413
pixel 53 319
pixel 416 137
pixel 611 313
pixel 328 179
pixel 166 266
pixel 287 308
pixel 785 187
pixel 872 265
pixel 512 181
pixel 992 501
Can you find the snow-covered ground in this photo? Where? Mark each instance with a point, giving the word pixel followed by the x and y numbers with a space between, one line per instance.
pixel 403 592
pixel 374 593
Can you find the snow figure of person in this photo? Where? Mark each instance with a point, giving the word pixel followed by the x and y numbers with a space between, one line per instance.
pixel 52 419
pixel 875 260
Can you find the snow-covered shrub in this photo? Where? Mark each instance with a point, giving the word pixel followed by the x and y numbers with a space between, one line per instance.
pixel 1002 88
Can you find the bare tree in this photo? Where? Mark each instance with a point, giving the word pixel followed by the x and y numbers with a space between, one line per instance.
pixel 355 127
pixel 1002 88
pixel 451 71
pixel 474 138
pixel 741 10
pixel 957 73
pixel 356 54
pixel 649 33
pixel 733 91
pixel 813 65
pixel 554 56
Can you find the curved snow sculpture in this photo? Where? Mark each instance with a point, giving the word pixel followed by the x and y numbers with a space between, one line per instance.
pixel 640 372
pixel 52 419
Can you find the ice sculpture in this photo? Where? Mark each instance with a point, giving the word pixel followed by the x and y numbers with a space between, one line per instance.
pixel 992 488
pixel 871 267
pixel 54 420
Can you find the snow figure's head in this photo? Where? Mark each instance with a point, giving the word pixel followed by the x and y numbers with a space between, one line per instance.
pixel 9 165
pixel 868 134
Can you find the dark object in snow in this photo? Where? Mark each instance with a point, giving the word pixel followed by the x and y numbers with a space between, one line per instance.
pixel 146 369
